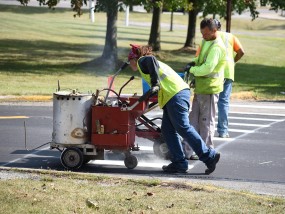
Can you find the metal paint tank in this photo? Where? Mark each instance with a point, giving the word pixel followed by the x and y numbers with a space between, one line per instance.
pixel 71 117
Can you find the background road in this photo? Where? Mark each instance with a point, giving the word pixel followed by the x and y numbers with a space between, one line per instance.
pixel 252 159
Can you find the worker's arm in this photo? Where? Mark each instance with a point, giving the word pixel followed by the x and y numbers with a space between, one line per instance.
pixel 239 55
pixel 149 65
pixel 238 49
pixel 209 65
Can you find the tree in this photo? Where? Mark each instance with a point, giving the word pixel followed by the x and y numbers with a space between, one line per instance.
pixel 109 57
pixel 174 5
pixel 110 54
pixel 274 4
pixel 218 7
pixel 154 37
pixel 156 7
pixel 193 11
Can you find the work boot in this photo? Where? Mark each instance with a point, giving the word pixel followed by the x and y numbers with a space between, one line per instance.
pixel 224 135
pixel 194 157
pixel 212 166
pixel 171 168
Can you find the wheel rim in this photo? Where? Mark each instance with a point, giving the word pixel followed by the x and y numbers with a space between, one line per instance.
pixel 131 162
pixel 161 150
pixel 72 158
pixel 164 149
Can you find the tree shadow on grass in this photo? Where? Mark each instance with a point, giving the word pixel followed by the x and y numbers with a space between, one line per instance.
pixel 20 9
pixel 45 57
pixel 275 27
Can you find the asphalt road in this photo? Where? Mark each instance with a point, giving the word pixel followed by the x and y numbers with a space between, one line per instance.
pixel 252 159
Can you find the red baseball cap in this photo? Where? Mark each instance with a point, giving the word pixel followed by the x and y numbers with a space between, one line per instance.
pixel 133 52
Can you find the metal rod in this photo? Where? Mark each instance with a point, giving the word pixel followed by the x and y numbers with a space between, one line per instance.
pixel 111 83
pixel 26 139
pixel 25 135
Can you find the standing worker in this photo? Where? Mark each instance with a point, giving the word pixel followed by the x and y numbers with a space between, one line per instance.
pixel 234 53
pixel 208 70
pixel 174 99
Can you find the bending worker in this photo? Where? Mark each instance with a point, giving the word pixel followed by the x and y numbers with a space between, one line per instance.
pixel 174 99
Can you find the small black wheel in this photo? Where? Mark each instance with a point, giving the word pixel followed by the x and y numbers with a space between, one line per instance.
pixel 160 149
pixel 72 158
pixel 131 161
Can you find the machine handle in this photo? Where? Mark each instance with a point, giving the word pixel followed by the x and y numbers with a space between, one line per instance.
pixel 132 77
pixel 144 97
pixel 111 83
pixel 124 65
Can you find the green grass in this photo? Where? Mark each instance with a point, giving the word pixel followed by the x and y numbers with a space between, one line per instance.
pixel 39 46
pixel 66 192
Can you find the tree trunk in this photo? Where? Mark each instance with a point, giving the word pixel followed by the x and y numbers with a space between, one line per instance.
pixel 110 55
pixel 171 21
pixel 192 17
pixel 154 37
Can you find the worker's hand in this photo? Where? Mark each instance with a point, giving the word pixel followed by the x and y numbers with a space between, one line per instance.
pixel 189 65
pixel 154 89
pixel 192 83
pixel 149 93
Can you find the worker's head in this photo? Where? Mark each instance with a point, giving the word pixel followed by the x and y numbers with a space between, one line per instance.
pixel 208 29
pixel 136 52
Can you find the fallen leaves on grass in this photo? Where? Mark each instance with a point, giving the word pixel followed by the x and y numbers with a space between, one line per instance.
pixel 92 204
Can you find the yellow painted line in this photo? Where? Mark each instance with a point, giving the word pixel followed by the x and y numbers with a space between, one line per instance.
pixel 13 117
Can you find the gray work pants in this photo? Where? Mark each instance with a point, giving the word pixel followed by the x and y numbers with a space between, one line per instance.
pixel 202 116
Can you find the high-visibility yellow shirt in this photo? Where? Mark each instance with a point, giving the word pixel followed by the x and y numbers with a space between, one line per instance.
pixel 232 45
pixel 209 67
pixel 170 82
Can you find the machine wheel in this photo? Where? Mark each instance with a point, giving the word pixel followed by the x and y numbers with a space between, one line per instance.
pixel 131 161
pixel 160 149
pixel 72 158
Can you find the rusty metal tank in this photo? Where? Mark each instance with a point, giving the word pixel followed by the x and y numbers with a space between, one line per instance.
pixel 71 117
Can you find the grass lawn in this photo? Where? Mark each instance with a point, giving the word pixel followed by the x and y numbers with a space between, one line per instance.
pixel 39 46
pixel 42 191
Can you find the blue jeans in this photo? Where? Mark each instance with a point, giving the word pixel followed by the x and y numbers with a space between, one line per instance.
pixel 223 107
pixel 175 122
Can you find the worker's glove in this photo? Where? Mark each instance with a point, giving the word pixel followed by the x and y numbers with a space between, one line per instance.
pixel 187 74
pixel 188 66
pixel 192 83
pixel 154 89
pixel 149 93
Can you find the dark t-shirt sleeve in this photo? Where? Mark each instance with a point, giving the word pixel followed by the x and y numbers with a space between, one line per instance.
pixel 149 65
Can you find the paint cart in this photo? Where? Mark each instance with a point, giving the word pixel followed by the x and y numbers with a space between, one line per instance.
pixel 86 125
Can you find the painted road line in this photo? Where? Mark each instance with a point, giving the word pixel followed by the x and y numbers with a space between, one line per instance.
pixel 243 135
pixel 247 124
pixel 265 162
pixel 243 118
pixel 146 148
pixel 223 139
pixel 258 119
pixel 241 130
pixel 140 163
pixel 13 117
pixel 253 113
pixel 26 156
pixel 258 106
